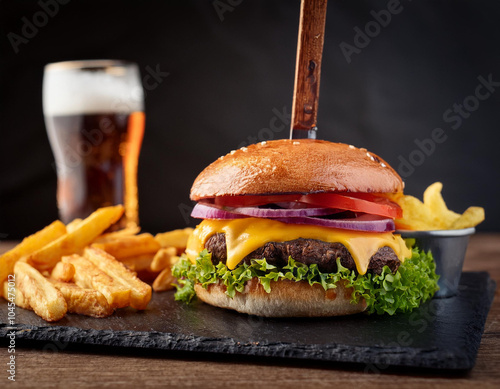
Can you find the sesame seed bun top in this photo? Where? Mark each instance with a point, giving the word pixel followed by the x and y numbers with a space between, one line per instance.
pixel 296 166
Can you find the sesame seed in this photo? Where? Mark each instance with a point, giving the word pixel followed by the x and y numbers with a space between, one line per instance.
pixel 383 164
pixel 232 152
pixel 263 143
pixel 244 149
pixel 368 155
pixel 296 143
pixel 351 147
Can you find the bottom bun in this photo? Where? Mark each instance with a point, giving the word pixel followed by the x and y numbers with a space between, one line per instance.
pixel 287 299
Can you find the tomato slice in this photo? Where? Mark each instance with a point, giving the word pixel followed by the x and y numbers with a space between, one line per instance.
pixel 357 202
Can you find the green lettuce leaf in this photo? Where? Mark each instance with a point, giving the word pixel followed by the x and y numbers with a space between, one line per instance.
pixel 413 283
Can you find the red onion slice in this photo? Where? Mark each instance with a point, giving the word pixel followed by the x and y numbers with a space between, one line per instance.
pixel 203 211
pixel 368 223
pixel 282 212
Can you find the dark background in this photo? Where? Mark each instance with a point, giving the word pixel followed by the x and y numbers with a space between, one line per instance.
pixel 231 71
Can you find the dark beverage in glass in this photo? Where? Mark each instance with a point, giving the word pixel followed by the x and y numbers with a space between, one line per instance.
pixel 95 123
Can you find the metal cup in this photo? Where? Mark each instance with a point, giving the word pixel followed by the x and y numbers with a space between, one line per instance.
pixel 448 248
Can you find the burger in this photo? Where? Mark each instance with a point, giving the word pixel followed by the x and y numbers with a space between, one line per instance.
pixel 301 228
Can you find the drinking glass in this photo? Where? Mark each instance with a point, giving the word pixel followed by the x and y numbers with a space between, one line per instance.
pixel 94 116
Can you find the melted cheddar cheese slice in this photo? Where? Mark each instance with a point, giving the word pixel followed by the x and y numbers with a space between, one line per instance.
pixel 248 234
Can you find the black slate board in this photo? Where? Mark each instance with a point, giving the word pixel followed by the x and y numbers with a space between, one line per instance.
pixel 441 334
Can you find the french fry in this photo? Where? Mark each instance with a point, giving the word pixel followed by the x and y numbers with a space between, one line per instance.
pixel 164 280
pixel 88 275
pixel 83 234
pixel 140 291
pixel 416 215
pixel 470 218
pixel 28 245
pixel 163 258
pixel 110 236
pixel 443 218
pixel 83 301
pixel 71 226
pixel 138 263
pixel 15 295
pixel 39 293
pixel 176 238
pixel 63 272
pixel 130 246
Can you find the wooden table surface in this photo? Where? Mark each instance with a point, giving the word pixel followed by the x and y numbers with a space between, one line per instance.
pixel 52 365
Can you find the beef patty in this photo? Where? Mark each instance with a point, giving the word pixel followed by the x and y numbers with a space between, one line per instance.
pixel 307 251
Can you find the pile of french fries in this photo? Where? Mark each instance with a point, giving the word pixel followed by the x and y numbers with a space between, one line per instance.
pixel 78 268
pixel 433 213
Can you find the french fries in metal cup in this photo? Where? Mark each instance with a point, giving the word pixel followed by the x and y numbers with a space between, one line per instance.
pixel 437 229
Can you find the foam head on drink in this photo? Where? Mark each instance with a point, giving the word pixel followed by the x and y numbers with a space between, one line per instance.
pixel 94 114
